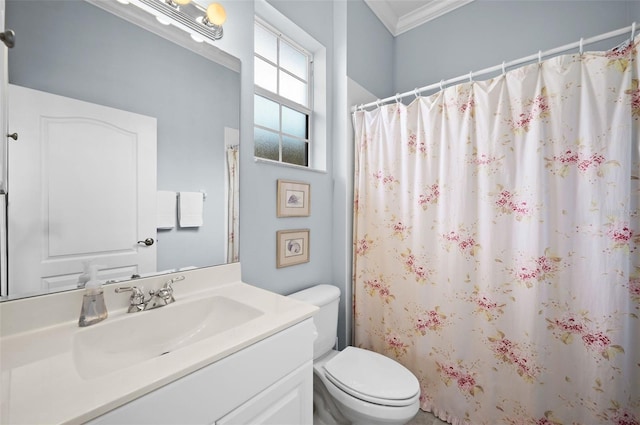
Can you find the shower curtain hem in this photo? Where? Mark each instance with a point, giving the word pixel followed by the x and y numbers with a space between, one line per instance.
pixel 443 415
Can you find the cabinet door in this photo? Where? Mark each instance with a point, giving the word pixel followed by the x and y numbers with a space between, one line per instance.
pixel 286 402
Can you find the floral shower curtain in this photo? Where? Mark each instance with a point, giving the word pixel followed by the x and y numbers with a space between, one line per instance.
pixel 497 242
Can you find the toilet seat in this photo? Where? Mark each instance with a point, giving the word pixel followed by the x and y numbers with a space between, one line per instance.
pixel 372 377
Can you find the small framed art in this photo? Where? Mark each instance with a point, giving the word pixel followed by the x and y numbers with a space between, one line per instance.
pixel 294 199
pixel 292 247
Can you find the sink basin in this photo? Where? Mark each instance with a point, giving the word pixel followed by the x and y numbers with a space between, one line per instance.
pixel 119 343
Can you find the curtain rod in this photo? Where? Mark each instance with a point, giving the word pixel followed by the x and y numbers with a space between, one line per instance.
pixel 539 56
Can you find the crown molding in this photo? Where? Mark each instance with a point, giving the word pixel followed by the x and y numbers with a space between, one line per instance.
pixel 400 24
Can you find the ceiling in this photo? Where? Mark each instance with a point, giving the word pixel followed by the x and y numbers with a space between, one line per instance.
pixel 402 15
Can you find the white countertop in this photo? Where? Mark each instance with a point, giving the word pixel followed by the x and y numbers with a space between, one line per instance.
pixel 40 383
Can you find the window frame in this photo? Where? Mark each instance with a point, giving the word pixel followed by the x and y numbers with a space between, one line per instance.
pixel 283 101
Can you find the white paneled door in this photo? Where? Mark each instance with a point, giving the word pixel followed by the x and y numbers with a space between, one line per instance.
pixel 81 186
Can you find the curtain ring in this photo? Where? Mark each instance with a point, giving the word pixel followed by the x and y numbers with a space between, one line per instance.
pixel 398 98
pixel 378 103
pixel 415 92
pixel 504 69
pixel 633 31
pixel 441 85
pixel 539 57
pixel 471 76
pixel 581 48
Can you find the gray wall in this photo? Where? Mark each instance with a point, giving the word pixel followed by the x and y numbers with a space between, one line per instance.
pixel 117 64
pixel 259 181
pixel 634 9
pixel 370 50
pixel 485 33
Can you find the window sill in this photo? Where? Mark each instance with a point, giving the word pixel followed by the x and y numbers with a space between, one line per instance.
pixel 284 164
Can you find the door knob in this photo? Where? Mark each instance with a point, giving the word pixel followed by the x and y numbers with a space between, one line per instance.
pixel 14 136
pixel 147 242
pixel 8 37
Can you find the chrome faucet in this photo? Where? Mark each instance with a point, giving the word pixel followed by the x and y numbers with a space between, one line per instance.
pixel 159 298
pixel 136 302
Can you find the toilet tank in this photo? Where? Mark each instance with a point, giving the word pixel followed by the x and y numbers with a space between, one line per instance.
pixel 327 298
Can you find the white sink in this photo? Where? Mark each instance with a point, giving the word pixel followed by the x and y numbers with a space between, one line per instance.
pixel 125 341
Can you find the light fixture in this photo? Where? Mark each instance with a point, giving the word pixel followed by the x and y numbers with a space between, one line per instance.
pixel 214 17
pixel 202 24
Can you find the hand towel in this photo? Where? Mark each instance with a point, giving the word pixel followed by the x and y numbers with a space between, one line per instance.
pixel 190 207
pixel 166 209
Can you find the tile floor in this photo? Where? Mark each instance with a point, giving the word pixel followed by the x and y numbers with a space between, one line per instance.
pixel 421 418
pixel 426 418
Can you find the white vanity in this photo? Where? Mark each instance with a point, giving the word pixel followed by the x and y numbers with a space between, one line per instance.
pixel 223 353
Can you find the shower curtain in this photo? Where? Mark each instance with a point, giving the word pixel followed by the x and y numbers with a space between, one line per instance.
pixel 233 201
pixel 497 242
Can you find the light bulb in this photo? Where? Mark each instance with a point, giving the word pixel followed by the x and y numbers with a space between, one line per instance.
pixel 216 14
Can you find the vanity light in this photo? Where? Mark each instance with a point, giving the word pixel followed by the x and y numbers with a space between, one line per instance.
pixel 216 15
pixel 200 23
pixel 213 19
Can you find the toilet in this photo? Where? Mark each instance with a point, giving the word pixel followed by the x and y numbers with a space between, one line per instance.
pixel 355 386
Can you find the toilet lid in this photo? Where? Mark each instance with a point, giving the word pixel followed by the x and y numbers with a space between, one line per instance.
pixel 372 377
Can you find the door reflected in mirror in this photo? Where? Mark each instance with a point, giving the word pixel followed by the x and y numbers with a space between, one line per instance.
pixel 111 119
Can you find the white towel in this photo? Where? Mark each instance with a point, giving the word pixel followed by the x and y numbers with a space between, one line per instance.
pixel 166 211
pixel 190 209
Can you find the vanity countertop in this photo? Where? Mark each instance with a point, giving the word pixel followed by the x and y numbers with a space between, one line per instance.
pixel 41 382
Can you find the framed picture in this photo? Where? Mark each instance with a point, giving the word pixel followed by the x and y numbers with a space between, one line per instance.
pixel 294 199
pixel 292 247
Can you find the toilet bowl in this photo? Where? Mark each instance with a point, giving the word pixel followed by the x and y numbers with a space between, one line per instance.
pixel 386 394
pixel 355 385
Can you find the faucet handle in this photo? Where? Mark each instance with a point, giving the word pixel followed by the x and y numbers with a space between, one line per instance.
pixel 136 301
pixel 167 290
pixel 165 293
pixel 133 289
pixel 167 284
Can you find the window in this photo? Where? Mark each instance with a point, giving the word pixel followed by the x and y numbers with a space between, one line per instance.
pixel 282 98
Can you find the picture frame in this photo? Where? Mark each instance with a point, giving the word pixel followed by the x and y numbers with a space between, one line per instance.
pixel 292 247
pixel 294 199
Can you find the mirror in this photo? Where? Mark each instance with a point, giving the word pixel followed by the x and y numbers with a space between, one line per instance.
pixel 88 178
